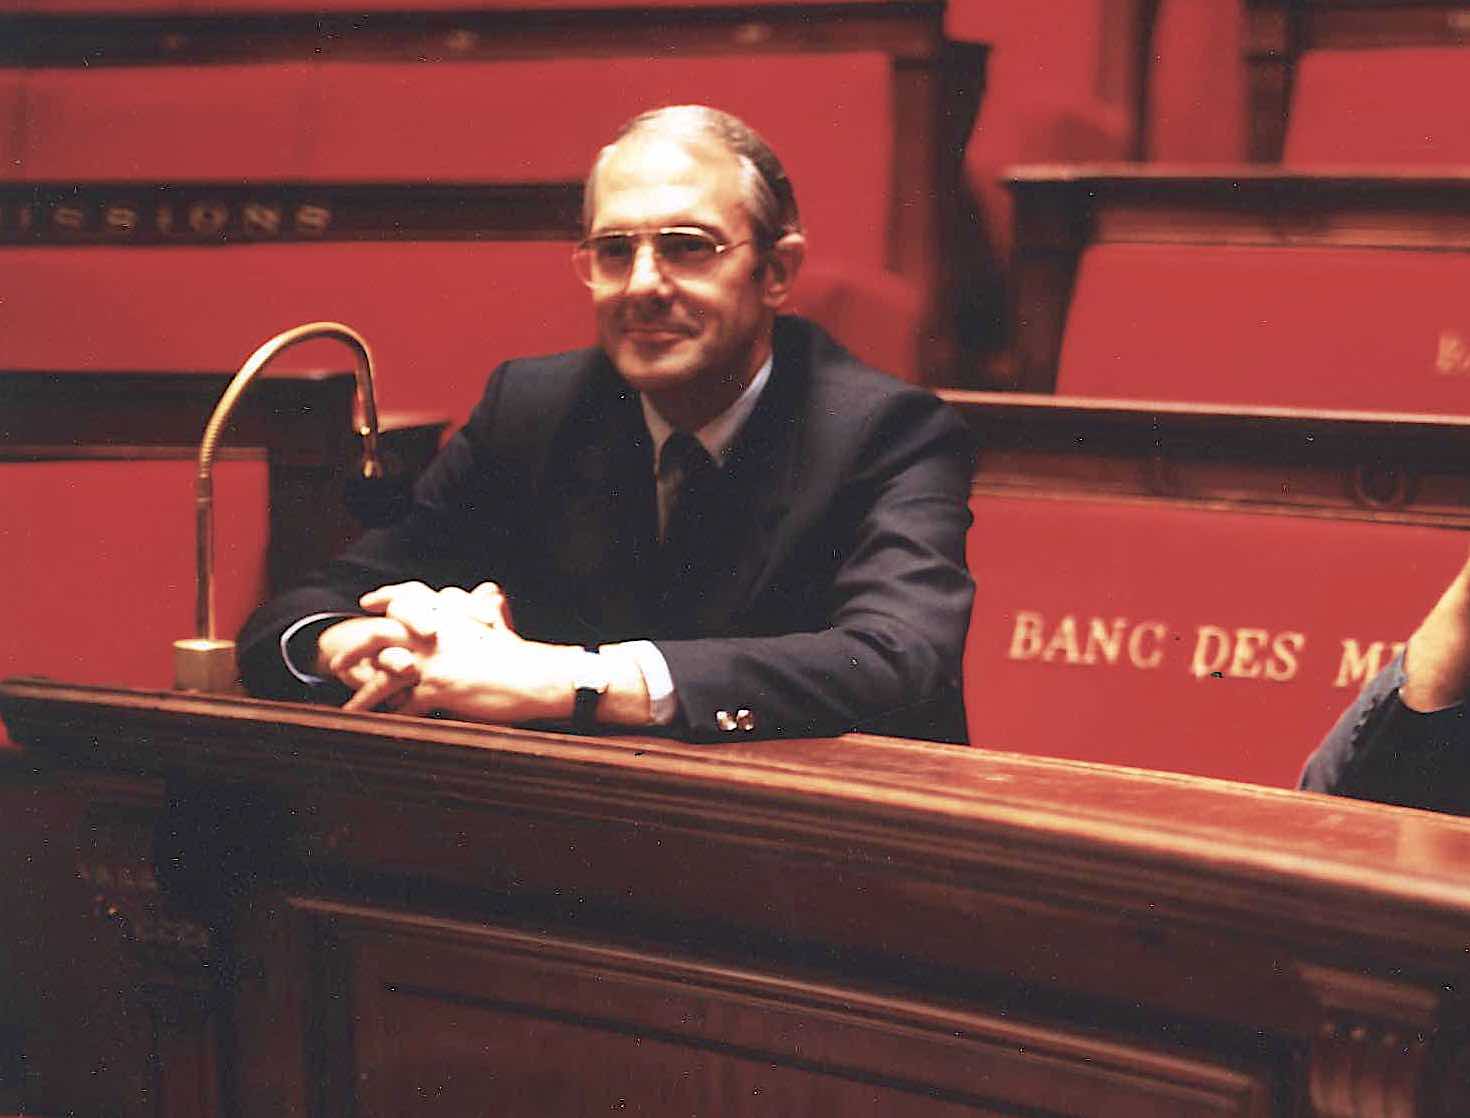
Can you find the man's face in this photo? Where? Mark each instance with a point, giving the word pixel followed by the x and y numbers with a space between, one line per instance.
pixel 690 343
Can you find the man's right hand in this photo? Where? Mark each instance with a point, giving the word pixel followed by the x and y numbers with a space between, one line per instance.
pixel 369 650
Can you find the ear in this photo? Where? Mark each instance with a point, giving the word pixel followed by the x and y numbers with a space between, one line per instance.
pixel 783 262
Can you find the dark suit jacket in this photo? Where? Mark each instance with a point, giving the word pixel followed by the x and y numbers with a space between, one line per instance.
pixel 1381 750
pixel 835 595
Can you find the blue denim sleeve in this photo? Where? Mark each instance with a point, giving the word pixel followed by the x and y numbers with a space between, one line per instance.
pixel 1381 750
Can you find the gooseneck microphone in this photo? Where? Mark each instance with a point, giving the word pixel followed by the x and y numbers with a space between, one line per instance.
pixel 204 662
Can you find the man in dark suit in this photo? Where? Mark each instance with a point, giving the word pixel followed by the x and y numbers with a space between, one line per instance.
pixel 1406 740
pixel 717 521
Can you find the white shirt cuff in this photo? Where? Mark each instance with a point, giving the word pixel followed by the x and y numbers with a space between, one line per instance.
pixel 663 704
pixel 303 676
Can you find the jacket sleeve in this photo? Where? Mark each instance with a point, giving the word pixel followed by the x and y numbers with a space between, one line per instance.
pixel 888 659
pixel 427 544
pixel 1381 750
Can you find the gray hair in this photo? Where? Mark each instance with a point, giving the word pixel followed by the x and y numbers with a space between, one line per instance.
pixel 769 197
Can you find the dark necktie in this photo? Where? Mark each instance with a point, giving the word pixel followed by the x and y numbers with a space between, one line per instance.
pixel 685 463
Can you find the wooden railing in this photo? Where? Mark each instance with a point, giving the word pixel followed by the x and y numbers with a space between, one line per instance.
pixel 335 913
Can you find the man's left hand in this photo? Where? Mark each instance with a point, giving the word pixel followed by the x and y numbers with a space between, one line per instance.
pixel 465 659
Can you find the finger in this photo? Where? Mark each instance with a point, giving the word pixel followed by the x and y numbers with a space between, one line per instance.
pixel 366 646
pixel 399 661
pixel 455 599
pixel 416 608
pixel 377 600
pixel 489 607
pixel 378 689
pixel 410 603
pixel 357 675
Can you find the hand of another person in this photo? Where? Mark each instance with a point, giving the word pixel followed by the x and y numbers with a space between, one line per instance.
pixel 1437 658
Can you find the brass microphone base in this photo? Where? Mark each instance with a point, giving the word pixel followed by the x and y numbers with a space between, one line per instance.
pixel 205 665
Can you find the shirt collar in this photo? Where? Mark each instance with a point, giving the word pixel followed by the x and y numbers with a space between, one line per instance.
pixel 716 435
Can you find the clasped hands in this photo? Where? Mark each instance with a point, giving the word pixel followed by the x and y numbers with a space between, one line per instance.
pixel 455 652
pixel 449 651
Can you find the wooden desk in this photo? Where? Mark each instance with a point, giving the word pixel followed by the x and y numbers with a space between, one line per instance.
pixel 334 914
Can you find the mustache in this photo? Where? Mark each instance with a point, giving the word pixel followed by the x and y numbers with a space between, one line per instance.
pixel 655 323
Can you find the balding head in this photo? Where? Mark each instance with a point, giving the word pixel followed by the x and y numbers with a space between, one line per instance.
pixel 766 192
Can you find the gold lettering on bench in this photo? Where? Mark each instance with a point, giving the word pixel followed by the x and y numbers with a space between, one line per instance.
pixel 121 220
pixel 1238 654
pixel 208 218
pixel 1454 354
pixel 1104 643
pixel 1359 665
pixel 83 218
pixel 312 219
pixel 261 220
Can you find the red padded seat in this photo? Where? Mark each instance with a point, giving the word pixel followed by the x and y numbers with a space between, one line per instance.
pixel 1324 328
pixel 1196 84
pixel 1390 105
pixel 828 116
pixel 438 315
pixel 12 119
pixel 1099 628
pixel 876 315
pixel 100 559
pixel 166 122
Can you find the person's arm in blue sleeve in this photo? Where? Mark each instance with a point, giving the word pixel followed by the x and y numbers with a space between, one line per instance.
pixel 1406 740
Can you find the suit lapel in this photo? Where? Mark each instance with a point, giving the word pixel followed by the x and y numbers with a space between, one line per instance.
pixel 602 517
pixel 752 497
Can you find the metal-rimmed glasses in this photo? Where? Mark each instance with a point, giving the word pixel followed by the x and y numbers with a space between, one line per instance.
pixel 680 252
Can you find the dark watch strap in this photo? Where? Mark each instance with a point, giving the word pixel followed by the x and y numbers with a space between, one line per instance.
pixel 584 706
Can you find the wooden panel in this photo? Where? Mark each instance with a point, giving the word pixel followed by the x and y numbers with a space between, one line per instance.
pixel 459 1012
pixel 949 929
pixel 1382 466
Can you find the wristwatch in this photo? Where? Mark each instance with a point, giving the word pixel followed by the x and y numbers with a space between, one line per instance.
pixel 591 680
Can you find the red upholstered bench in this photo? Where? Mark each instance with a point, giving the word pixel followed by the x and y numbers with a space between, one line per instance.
pixel 1190 640
pixel 99 559
pixel 461 121
pixel 1396 105
pixel 438 315
pixel 828 117
pixel 1366 329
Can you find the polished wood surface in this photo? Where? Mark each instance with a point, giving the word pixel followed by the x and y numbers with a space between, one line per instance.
pixel 1390 467
pixel 338 913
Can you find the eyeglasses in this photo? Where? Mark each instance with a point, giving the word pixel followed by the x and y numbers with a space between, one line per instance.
pixel 606 260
